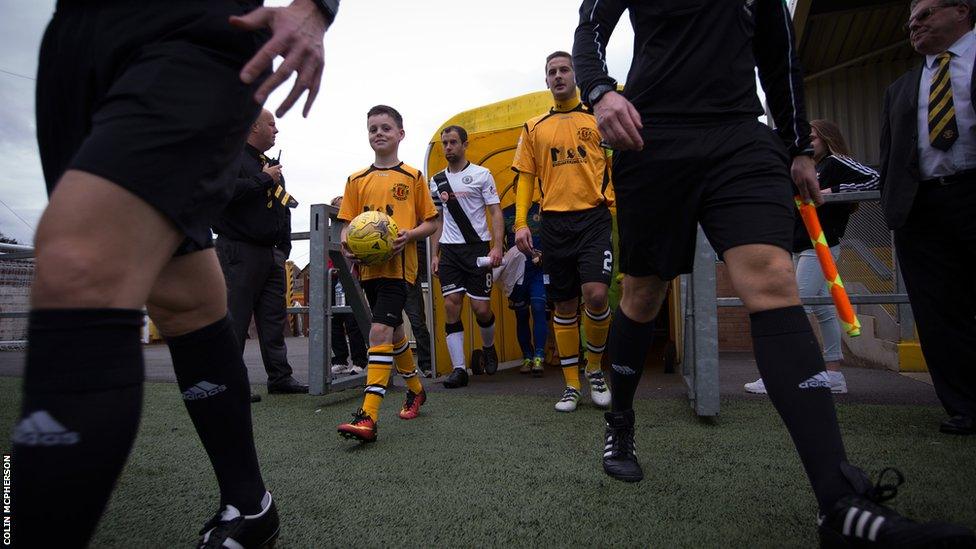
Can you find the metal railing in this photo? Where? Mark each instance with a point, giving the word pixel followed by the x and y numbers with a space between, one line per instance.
pixel 868 265
pixel 323 236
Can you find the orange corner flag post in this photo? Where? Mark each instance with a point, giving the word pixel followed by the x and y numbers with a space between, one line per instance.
pixel 848 319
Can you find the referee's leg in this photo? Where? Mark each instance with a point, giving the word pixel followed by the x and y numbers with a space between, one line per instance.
pixel 791 363
pixel 99 249
pixel 188 304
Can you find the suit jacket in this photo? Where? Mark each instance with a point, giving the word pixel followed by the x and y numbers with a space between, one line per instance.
pixel 899 146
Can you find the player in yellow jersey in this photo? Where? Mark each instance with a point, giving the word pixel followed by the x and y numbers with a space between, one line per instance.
pixel 400 191
pixel 562 151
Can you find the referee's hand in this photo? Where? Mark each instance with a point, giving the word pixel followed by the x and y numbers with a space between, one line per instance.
pixel 523 240
pixel 619 122
pixel 805 177
pixel 297 32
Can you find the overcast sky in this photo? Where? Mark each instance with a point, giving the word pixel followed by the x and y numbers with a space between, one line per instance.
pixel 430 59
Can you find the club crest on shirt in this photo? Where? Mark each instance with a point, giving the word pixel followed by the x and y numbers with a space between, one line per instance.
pixel 401 191
pixel 586 134
pixel 467 179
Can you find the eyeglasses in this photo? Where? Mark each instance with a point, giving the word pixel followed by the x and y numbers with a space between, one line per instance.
pixel 923 15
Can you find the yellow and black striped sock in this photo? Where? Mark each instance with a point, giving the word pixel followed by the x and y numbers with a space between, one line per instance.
pixel 566 330
pixel 595 326
pixel 403 358
pixel 377 378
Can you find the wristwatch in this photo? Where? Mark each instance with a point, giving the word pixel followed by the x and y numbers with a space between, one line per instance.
pixel 597 92
pixel 329 8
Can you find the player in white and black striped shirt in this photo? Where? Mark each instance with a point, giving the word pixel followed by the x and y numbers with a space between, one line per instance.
pixel 465 194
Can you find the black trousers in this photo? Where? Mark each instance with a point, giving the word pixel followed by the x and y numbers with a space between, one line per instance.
pixel 937 252
pixel 255 277
pixel 418 324
pixel 344 324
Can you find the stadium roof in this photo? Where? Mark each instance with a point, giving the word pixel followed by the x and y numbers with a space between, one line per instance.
pixel 840 34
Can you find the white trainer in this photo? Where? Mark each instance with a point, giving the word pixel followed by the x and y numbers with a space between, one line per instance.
pixel 599 392
pixel 340 369
pixel 756 387
pixel 838 384
pixel 569 401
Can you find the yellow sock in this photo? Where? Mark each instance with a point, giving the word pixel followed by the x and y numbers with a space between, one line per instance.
pixel 377 378
pixel 566 330
pixel 595 325
pixel 403 358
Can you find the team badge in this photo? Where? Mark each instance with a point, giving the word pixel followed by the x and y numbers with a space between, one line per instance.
pixel 586 134
pixel 401 191
pixel 467 179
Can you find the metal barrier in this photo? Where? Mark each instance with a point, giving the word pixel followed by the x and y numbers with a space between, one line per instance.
pixel 16 274
pixel 868 265
pixel 324 232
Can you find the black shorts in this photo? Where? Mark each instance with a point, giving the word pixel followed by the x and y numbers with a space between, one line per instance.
pixel 147 95
pixel 386 297
pixel 731 178
pixel 458 270
pixel 577 248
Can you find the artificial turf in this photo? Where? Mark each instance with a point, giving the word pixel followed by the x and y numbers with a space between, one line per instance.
pixel 493 470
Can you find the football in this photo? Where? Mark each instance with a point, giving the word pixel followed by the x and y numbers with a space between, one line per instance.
pixel 371 236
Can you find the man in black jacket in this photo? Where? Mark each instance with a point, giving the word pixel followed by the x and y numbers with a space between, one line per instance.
pixel 689 150
pixel 253 243
pixel 928 178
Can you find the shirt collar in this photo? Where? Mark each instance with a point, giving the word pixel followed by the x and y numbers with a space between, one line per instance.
pixel 962 48
pixel 253 151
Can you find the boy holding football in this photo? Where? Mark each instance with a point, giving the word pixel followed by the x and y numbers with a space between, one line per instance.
pixel 400 191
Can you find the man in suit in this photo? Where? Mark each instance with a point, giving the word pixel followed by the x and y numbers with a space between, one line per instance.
pixel 928 178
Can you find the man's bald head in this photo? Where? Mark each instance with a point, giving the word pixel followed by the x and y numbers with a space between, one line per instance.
pixel 262 136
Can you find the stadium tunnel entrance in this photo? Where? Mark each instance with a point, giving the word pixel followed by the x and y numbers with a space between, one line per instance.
pixel 493 132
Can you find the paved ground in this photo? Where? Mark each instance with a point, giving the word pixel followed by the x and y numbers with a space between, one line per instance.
pixel 866 385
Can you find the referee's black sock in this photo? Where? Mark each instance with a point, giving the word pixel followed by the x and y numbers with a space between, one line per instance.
pixel 627 344
pixel 792 368
pixel 80 414
pixel 213 381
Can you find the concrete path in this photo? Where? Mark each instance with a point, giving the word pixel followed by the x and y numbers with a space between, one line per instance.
pixel 865 385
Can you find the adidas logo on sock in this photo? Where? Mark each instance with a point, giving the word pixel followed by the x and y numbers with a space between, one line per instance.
pixel 819 381
pixel 40 429
pixel 625 370
pixel 203 389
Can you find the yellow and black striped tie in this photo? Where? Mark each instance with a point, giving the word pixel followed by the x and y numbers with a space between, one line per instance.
pixel 942 113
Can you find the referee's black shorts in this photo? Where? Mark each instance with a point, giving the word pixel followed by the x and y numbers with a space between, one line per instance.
pixel 733 178
pixel 577 247
pixel 147 95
